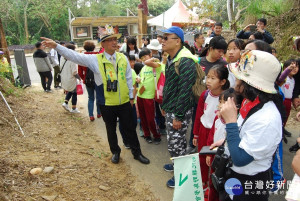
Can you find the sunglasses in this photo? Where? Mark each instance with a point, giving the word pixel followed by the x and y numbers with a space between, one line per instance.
pixel 166 38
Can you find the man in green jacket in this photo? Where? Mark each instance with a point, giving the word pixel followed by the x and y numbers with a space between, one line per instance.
pixel 177 95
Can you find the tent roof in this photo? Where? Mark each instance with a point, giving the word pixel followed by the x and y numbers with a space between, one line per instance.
pixel 177 15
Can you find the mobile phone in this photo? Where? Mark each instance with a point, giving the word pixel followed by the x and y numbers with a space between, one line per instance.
pixel 253 28
pixel 207 151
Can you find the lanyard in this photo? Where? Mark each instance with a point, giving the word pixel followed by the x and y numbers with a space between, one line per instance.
pixel 105 69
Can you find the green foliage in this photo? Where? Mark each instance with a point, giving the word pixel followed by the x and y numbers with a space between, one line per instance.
pixel 271 8
pixel 50 18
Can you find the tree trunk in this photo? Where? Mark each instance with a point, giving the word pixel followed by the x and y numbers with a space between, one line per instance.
pixel 230 12
pixel 26 23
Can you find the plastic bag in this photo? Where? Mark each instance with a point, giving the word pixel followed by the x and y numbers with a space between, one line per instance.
pixel 160 88
pixel 79 88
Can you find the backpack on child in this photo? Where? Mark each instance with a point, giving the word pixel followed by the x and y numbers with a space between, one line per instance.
pixel 199 85
pixel 89 79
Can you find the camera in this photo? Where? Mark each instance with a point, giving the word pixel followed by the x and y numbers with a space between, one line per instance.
pixel 253 28
pixel 112 86
pixel 221 164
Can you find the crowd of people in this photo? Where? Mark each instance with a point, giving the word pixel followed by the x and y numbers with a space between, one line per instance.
pixel 244 108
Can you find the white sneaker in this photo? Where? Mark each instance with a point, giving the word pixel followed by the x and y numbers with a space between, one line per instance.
pixel 74 110
pixel 66 107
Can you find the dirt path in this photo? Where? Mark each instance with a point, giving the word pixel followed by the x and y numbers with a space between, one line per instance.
pixel 68 143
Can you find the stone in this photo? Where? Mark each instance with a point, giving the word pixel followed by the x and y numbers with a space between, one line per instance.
pixel 53 150
pixel 48 169
pixel 49 198
pixel 36 171
pixel 104 188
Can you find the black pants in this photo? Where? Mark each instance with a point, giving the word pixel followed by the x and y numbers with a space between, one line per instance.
pixel 72 94
pixel 56 71
pixel 160 120
pixel 250 191
pixel 124 112
pixel 44 75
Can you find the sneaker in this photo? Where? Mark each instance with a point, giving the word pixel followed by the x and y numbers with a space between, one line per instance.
pixel 191 150
pixel 278 185
pixel 75 111
pixel 148 139
pixel 169 167
pixel 126 145
pixel 48 90
pixel 99 116
pixel 92 118
pixel 287 133
pixel 141 133
pixel 163 131
pixel 171 183
pixel 157 140
pixel 295 147
pixel 66 107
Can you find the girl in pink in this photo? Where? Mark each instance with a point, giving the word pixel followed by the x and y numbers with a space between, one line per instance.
pixel 216 82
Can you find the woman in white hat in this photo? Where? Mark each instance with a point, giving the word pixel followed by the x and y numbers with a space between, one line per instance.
pixel 254 135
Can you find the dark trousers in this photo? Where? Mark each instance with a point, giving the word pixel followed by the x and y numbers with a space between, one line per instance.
pixel 72 94
pixel 250 192
pixel 160 120
pixel 192 130
pixel 288 106
pixel 44 75
pixel 134 118
pixel 56 71
pixel 124 112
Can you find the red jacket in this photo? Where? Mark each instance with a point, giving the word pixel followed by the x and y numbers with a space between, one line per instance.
pixel 199 113
pixel 82 69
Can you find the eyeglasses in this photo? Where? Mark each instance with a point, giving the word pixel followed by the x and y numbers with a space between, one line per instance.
pixel 166 38
pixel 111 39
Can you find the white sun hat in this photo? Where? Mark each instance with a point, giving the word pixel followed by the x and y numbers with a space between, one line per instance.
pixel 258 69
pixel 154 45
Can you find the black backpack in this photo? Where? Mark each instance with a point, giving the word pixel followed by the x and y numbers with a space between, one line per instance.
pixel 89 79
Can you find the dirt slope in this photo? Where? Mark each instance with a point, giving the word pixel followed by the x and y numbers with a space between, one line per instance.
pixel 82 167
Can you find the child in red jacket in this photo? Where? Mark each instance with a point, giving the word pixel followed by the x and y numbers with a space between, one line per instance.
pixel 216 82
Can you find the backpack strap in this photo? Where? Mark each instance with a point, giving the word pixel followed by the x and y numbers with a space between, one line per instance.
pixel 176 65
pixel 252 111
pixel 63 66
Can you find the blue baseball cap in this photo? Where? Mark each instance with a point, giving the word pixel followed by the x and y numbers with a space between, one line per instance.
pixel 175 30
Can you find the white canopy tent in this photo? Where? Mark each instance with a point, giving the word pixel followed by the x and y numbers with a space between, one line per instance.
pixel 177 15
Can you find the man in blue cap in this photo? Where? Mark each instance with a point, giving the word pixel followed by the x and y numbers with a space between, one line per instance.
pixel 178 97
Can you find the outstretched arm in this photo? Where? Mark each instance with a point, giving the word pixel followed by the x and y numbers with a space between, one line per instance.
pixel 88 60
